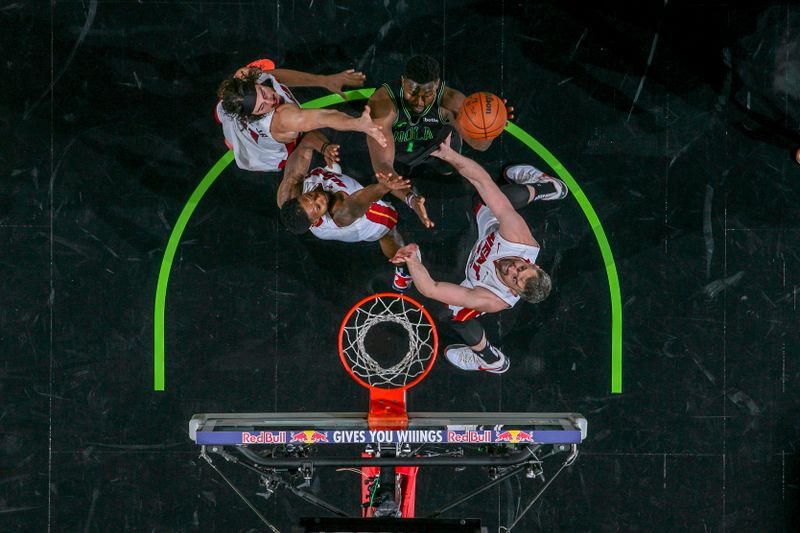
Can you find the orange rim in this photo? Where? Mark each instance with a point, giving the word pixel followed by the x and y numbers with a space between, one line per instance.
pixel 398 296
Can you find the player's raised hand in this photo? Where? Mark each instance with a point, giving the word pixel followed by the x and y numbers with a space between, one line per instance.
pixel 367 126
pixel 392 182
pixel 444 151
pixel 244 72
pixel 346 78
pixel 331 153
pixel 417 203
pixel 406 254
pixel 509 110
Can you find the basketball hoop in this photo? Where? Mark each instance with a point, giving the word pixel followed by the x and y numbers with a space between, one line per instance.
pixel 377 323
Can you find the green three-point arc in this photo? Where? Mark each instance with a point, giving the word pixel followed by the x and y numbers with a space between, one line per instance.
pixel 513 129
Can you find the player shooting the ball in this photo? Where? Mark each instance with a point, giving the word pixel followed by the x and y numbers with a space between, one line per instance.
pixel 421 111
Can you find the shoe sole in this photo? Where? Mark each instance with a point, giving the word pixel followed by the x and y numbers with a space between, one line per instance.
pixel 503 371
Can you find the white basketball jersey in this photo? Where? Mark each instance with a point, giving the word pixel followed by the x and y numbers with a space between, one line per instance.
pixel 376 222
pixel 491 246
pixel 253 146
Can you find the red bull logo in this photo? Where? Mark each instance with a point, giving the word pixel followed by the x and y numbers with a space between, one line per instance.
pixel 469 436
pixel 264 437
pixel 309 437
pixel 514 436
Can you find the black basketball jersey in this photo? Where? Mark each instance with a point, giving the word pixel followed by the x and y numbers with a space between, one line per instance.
pixel 414 135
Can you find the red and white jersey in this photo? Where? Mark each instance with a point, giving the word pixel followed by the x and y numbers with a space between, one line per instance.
pixel 253 146
pixel 376 222
pixel 480 270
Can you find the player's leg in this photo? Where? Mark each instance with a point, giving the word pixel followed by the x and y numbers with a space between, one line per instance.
pixel 477 353
pixel 390 243
pixel 528 184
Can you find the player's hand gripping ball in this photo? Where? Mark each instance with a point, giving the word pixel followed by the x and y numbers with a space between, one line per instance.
pixel 482 116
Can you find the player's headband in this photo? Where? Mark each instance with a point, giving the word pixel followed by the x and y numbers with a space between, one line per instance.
pixel 248 98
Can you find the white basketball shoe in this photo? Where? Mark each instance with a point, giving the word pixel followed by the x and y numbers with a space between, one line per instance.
pixel 463 357
pixel 530 175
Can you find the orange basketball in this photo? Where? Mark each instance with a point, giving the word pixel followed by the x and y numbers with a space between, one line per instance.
pixel 482 116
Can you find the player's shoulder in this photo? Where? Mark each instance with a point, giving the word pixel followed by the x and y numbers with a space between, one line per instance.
pixel 286 108
pixel 381 105
pixel 381 94
pixel 452 98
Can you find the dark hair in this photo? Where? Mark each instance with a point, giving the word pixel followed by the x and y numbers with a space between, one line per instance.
pixel 422 69
pixel 294 217
pixel 537 288
pixel 231 91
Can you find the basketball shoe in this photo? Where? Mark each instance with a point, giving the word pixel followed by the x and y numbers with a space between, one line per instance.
pixel 463 357
pixel 547 187
pixel 402 280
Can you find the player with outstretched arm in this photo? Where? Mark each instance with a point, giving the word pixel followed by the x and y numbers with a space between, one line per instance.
pixel 501 267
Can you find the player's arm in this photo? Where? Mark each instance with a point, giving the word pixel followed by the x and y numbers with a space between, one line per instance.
pixel 318 142
pixel 290 118
pixel 296 78
pixel 383 114
pixel 512 226
pixel 479 298
pixel 333 82
pixel 291 185
pixel 451 101
pixel 355 206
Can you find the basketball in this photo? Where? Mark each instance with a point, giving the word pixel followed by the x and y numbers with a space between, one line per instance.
pixel 482 116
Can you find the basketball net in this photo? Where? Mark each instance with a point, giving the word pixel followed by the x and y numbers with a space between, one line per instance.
pixel 388 384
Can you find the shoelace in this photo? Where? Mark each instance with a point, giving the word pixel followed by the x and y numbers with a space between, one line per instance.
pixel 531 173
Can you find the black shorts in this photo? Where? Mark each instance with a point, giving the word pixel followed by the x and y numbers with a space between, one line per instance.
pixel 424 157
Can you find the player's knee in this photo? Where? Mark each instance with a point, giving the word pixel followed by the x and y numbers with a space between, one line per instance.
pixel 470 331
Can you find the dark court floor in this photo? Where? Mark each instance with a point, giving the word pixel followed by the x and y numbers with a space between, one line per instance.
pixel 677 120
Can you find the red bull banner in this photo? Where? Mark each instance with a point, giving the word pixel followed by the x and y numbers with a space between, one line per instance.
pixel 393 436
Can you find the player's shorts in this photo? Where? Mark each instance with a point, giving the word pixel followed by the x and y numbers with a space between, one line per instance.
pixel 382 217
pixel 379 219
